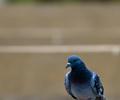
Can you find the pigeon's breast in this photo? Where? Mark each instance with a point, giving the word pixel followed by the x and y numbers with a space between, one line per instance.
pixel 82 91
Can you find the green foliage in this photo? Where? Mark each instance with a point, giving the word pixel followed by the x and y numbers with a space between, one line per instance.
pixel 51 1
pixel 20 1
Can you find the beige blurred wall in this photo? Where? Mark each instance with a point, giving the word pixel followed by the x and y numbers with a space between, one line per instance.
pixel 40 76
pixel 60 24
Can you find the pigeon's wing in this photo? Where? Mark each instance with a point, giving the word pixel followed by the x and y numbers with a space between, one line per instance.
pixel 97 86
pixel 67 84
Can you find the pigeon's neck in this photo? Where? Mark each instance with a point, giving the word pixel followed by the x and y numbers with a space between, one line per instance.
pixel 81 75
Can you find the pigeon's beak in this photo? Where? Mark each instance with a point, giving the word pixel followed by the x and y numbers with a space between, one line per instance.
pixel 68 65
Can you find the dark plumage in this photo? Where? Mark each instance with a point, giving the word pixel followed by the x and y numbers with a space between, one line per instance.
pixel 81 83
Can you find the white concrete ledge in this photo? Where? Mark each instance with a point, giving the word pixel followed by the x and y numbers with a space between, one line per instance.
pixel 61 49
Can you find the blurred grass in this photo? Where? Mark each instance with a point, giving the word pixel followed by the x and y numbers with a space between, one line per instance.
pixel 20 1
pixel 58 1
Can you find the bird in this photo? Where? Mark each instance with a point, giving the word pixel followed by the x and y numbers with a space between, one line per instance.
pixel 80 82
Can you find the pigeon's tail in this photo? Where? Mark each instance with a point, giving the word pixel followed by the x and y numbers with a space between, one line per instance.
pixel 100 98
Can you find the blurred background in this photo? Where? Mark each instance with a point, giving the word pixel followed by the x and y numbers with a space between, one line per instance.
pixel 36 36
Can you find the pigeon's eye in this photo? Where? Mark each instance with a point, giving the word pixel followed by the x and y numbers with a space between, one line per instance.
pixel 74 60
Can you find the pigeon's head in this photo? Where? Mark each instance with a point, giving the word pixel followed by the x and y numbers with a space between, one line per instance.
pixel 75 61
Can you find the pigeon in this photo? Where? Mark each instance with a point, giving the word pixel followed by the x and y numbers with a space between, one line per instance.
pixel 81 83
